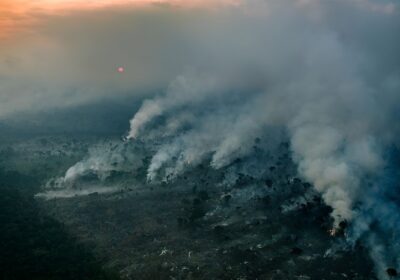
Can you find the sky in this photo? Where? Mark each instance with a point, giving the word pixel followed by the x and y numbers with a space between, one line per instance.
pixel 64 53
pixel 20 14
pixel 68 52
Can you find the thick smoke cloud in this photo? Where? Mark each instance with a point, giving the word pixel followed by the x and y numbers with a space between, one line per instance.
pixel 328 72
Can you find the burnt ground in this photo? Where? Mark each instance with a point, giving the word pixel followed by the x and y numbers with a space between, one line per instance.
pixel 273 226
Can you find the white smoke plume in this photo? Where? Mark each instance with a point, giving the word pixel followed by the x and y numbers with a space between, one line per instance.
pixel 91 174
pixel 328 72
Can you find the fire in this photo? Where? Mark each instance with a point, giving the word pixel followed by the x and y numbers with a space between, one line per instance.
pixel 332 232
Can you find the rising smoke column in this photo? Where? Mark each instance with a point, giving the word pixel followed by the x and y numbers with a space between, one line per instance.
pixel 328 83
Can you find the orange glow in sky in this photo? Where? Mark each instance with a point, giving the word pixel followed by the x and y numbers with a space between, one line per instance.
pixel 19 14
pixel 16 15
pixel 18 6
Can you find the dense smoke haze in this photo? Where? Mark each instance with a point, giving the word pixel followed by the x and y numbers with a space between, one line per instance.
pixel 322 75
pixel 332 83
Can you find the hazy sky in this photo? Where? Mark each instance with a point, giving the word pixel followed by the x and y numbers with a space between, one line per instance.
pixel 62 53
pixel 15 14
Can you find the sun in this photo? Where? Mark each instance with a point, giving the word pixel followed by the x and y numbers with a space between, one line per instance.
pixel 121 69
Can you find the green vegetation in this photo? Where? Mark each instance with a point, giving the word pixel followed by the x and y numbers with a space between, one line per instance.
pixel 35 246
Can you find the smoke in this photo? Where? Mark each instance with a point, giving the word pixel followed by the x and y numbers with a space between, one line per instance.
pixel 95 173
pixel 327 72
